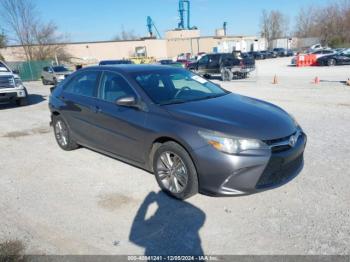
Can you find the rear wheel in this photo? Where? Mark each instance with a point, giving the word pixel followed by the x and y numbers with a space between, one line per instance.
pixel 226 74
pixel 175 171
pixel 63 134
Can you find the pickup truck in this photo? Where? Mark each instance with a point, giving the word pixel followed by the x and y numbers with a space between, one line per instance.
pixel 11 86
pixel 227 65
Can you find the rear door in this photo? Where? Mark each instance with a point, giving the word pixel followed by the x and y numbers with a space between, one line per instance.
pixel 214 64
pixel 80 110
pixel 121 129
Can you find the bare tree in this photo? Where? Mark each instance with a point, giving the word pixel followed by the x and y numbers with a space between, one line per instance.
pixel 39 40
pixel 126 35
pixel 330 23
pixel 3 40
pixel 273 25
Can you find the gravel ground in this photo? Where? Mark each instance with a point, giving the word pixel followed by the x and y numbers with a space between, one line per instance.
pixel 82 202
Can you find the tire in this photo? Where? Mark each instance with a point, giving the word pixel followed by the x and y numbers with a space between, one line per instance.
pixel 226 74
pixel 167 178
pixel 207 76
pixel 331 62
pixel 44 81
pixel 63 134
pixel 22 102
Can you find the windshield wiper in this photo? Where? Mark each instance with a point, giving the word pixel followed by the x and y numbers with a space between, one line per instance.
pixel 173 101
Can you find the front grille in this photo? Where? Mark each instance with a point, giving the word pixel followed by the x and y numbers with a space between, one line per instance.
pixel 278 140
pixel 277 173
pixel 7 82
pixel 281 144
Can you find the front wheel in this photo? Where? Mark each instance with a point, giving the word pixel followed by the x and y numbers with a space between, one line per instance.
pixel 175 171
pixel 22 102
pixel 43 80
pixel 331 62
pixel 63 134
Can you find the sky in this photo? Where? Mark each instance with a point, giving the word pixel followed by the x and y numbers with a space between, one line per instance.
pixel 101 20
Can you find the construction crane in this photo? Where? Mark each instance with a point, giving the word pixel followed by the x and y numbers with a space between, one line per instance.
pixel 225 28
pixel 150 26
pixel 182 13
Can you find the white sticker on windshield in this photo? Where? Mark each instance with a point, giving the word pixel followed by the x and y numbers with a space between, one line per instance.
pixel 199 79
pixel 3 69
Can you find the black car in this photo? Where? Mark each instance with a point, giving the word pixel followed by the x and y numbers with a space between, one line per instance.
pixel 257 55
pixel 281 52
pixel 342 58
pixel 116 62
pixel 268 54
pixel 214 64
pixel 192 134
pixel 290 52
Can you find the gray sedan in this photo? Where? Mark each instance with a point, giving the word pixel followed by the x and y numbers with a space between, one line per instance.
pixel 192 134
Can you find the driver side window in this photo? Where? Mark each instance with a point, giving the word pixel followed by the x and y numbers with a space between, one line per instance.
pixel 203 61
pixel 113 87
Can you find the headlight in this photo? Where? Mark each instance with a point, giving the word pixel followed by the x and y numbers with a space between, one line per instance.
pixel 18 82
pixel 230 144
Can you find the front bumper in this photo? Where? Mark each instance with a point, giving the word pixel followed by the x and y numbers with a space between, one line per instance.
pixel 229 175
pixel 7 94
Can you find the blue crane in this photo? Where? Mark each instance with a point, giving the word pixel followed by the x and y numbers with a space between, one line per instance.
pixel 151 25
pixel 182 13
pixel 225 28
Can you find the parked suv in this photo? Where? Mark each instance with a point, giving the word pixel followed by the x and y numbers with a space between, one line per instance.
pixel 54 74
pixel 11 86
pixel 221 63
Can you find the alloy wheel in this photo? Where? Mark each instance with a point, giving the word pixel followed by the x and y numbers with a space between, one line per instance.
pixel 61 132
pixel 172 172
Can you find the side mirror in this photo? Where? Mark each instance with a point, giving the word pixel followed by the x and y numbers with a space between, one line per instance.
pixel 15 71
pixel 128 101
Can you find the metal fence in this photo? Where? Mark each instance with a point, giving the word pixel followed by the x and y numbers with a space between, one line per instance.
pixel 30 70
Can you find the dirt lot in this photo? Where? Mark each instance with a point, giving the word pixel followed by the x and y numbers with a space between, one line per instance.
pixel 82 202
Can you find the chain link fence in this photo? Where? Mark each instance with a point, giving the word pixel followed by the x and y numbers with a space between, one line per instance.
pixel 30 70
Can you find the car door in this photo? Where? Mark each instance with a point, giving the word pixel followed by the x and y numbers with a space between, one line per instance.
pixel 121 129
pixel 346 57
pixel 46 73
pixel 203 65
pixel 214 64
pixel 80 110
pixel 50 74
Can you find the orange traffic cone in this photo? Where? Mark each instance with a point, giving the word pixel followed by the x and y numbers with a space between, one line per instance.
pixel 275 81
pixel 317 80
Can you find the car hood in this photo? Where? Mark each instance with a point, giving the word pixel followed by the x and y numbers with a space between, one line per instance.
pixel 236 115
pixel 6 74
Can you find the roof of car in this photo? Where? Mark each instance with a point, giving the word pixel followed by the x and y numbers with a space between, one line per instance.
pixel 130 68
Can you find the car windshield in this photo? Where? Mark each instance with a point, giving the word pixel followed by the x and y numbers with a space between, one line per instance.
pixel 58 69
pixel 3 68
pixel 169 86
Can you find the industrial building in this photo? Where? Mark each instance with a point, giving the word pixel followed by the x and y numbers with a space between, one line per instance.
pixel 184 39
